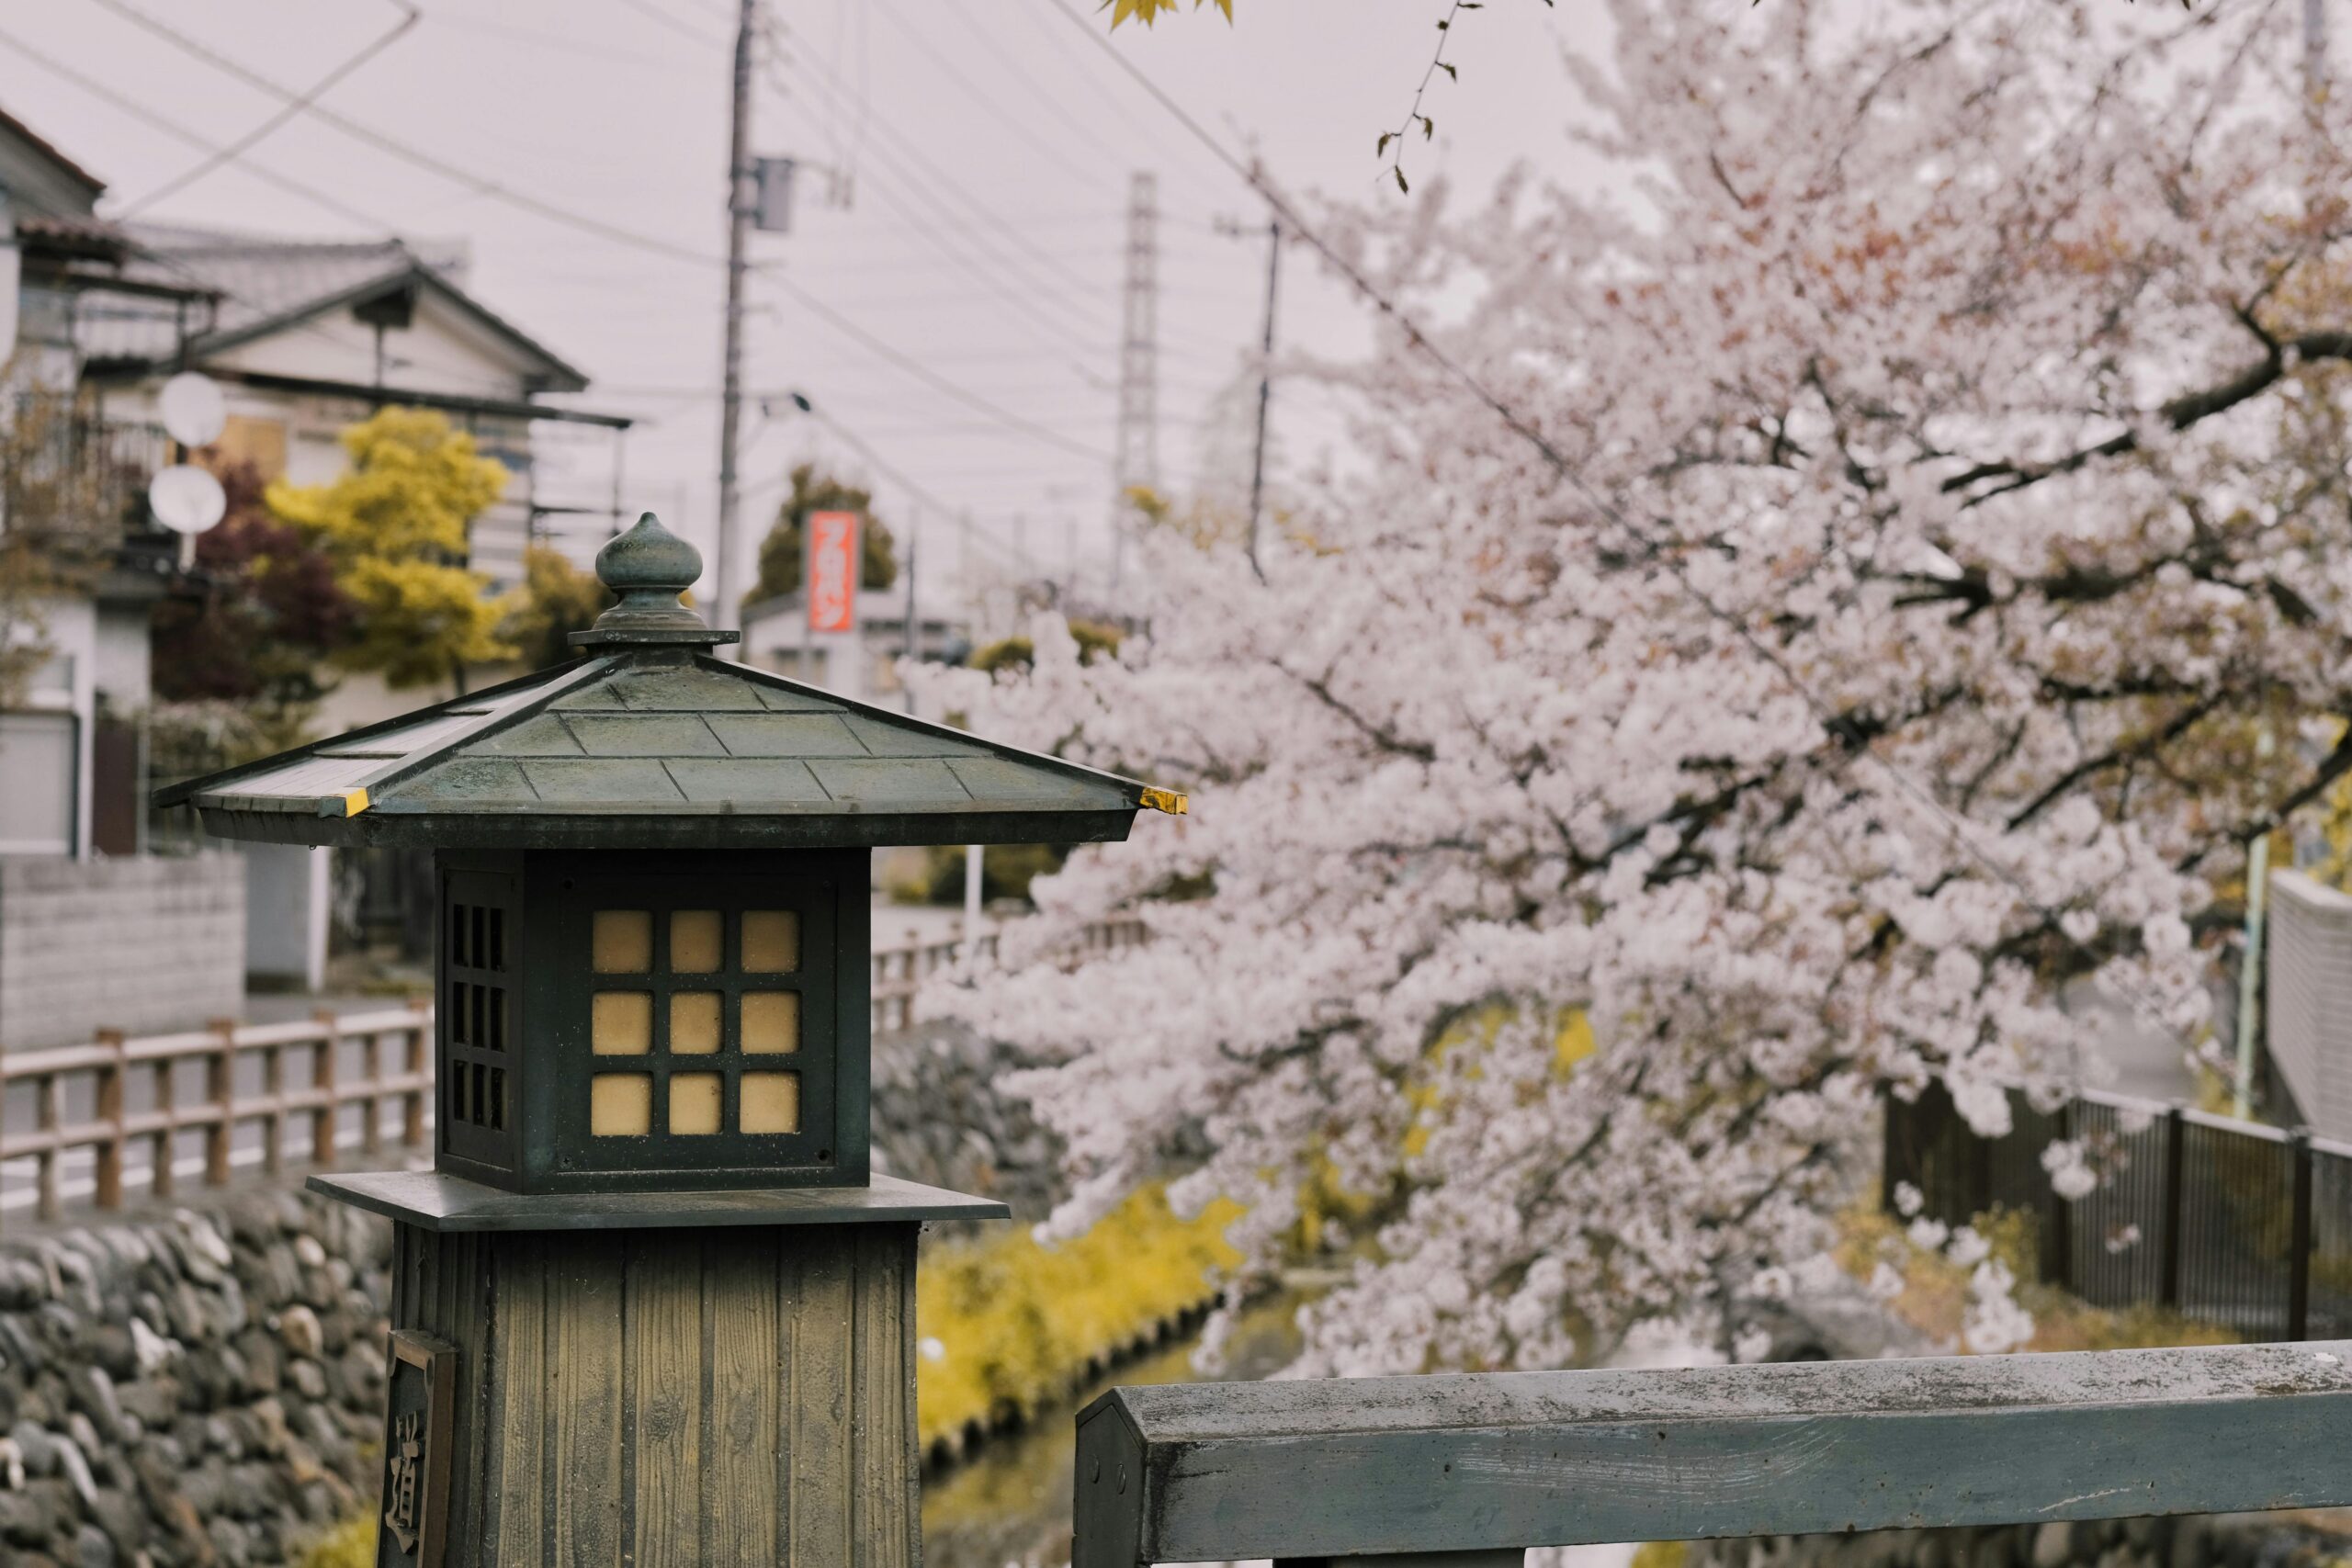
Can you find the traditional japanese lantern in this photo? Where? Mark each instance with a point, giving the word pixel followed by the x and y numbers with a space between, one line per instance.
pixel 667 1308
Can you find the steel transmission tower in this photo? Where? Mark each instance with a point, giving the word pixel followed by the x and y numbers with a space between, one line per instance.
pixel 1139 442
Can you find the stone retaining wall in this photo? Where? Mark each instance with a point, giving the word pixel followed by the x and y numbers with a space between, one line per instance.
pixel 202 1389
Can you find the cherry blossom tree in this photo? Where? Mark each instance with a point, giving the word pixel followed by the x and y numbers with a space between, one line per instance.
pixel 1778 627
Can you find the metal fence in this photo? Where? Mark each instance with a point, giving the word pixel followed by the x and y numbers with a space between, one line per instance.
pixel 2227 1222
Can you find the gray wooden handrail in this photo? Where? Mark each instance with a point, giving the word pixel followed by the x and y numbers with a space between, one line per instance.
pixel 1499 1461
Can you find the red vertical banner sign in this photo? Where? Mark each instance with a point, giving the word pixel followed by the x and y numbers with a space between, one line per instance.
pixel 833 571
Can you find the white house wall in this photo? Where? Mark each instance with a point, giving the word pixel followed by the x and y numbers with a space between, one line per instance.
pixel 444 353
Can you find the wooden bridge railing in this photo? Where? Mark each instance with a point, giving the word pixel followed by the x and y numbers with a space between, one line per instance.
pixel 106 1099
pixel 84 1097
pixel 1474 1468
pixel 899 971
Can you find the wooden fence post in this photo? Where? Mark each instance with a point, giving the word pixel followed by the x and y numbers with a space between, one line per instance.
pixel 413 1103
pixel 163 1150
pixel 110 1100
pixel 273 1121
pixel 326 1071
pixel 45 1118
pixel 2299 1240
pixel 220 1095
pixel 371 1068
pixel 2175 1159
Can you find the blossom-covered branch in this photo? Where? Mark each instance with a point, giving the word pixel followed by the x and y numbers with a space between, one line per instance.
pixel 1838 614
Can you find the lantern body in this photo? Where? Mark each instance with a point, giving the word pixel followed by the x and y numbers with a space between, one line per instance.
pixel 653 1020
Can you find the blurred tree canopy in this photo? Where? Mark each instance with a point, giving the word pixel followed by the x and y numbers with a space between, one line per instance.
pixel 1096 639
pixel 556 599
pixel 394 524
pixel 263 612
pixel 781 551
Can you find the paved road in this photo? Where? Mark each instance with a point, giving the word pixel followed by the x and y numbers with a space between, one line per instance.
pixel 2147 1061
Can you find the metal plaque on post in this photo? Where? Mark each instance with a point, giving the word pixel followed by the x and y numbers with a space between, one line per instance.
pixel 415 1520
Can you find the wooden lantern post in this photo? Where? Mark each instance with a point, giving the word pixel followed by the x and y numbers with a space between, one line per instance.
pixel 651 1307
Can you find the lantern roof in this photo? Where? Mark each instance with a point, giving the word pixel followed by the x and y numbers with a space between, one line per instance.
pixel 648 743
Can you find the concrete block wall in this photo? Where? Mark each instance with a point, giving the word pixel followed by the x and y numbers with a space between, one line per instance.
pixel 146 945
pixel 2308 1002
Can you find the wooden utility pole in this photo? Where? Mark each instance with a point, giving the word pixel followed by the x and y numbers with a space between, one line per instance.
pixel 1265 388
pixel 742 203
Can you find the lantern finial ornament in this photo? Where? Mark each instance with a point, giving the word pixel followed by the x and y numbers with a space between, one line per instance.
pixel 649 568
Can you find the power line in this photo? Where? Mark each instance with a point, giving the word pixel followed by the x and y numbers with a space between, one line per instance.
pixel 1045 146
pixel 237 149
pixel 985 216
pixel 179 132
pixel 892 472
pixel 497 191
pixel 386 143
pixel 922 373
pixel 981 266
pixel 1052 98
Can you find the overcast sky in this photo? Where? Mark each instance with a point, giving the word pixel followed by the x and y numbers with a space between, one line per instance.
pixel 989 147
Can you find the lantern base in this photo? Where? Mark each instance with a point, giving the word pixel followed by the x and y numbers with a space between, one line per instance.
pixel 433 1200
pixel 671 1398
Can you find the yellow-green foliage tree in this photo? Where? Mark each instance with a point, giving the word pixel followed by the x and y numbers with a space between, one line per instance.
pixel 394 522
pixel 781 551
pixel 557 599
pixel 1018 1321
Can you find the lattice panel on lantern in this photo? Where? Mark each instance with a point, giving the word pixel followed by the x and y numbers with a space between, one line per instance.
pixel 480 1003
pixel 687 1007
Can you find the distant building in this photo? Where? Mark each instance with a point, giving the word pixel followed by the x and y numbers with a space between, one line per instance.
pixel 308 337
pixel 305 338
pixel 861 664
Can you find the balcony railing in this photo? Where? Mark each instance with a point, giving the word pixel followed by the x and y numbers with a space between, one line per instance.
pixel 72 476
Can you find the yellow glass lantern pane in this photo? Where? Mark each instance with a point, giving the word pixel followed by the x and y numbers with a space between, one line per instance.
pixel 620 1023
pixel 693 1022
pixel 693 1102
pixel 771 1020
pixel 771 1103
pixel 696 942
pixel 620 942
pixel 620 1105
pixel 771 941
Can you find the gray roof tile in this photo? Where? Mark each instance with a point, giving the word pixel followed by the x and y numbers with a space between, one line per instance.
pixel 785 735
pixel 882 738
pixel 643 735
pixel 485 781
pixel 904 783
pixel 747 783
pixel 783 701
pixel 994 782
pixel 672 689
pixel 607 781
pixel 630 737
pixel 541 735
